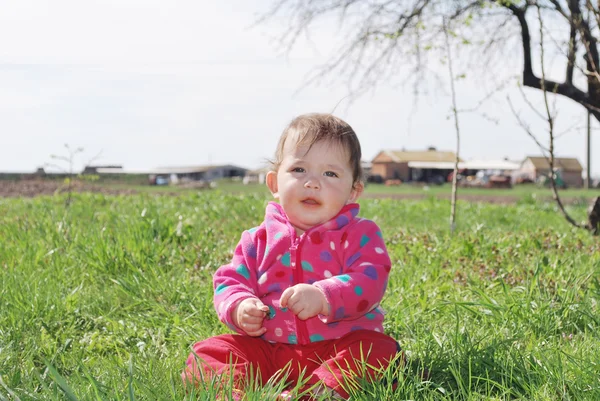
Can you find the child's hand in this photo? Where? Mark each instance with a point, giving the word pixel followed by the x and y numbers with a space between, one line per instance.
pixel 305 301
pixel 249 314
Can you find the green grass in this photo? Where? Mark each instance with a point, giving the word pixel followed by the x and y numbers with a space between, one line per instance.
pixel 517 192
pixel 103 300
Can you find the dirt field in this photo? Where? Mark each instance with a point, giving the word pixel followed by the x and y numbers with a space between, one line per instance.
pixel 31 188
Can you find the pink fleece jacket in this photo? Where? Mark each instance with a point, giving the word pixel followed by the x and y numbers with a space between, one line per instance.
pixel 345 257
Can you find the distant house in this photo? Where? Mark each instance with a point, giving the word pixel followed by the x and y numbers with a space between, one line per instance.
pixel 105 169
pixel 166 175
pixel 405 165
pixel 533 167
pixel 258 176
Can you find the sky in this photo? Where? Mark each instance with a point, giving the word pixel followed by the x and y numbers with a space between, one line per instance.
pixel 148 83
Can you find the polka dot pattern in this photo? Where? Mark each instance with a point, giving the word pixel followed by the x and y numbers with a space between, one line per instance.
pixel 316 337
pixel 371 273
pixel 307 266
pixel 251 251
pixel 316 238
pixel 353 259
pixel 275 287
pixel 345 257
pixel 342 221
pixel 243 271
pixel 325 256
pixel 362 305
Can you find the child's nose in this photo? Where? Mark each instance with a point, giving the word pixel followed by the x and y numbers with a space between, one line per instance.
pixel 312 183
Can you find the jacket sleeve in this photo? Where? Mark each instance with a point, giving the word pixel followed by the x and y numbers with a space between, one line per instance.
pixel 237 280
pixel 360 288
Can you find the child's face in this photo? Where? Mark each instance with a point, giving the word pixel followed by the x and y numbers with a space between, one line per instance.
pixel 313 185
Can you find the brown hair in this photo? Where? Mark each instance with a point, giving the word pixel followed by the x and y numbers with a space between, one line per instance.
pixel 317 127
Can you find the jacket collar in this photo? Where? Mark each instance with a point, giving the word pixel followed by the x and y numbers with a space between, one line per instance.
pixel 350 211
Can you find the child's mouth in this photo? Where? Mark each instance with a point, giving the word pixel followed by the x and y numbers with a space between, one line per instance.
pixel 310 201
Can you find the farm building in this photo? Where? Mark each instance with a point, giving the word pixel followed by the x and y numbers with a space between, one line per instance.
pixel 167 175
pixel 534 167
pixel 257 176
pixel 396 165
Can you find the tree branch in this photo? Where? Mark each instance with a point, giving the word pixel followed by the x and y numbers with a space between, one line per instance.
pixel 566 89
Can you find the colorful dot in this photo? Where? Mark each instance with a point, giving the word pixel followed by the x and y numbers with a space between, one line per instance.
pixel 274 288
pixel 285 259
pixel 325 256
pixel 353 259
pixel 370 316
pixel 356 328
pixel 271 312
pixel 251 251
pixel 243 271
pixel 263 278
pixel 278 235
pixel 358 290
pixel 327 274
pixel 221 288
pixel 343 278
pixel 292 339
pixel 332 246
pixel 379 250
pixel 280 274
pixel 362 305
pixel 307 266
pixel 316 337
pixel 340 313
pixel 371 272
pixel 342 221
pixel 364 240
pixel 278 332
pixel 379 234
pixel 315 237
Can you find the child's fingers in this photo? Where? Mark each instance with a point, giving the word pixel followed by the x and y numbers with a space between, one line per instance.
pixel 283 301
pixel 248 319
pixel 256 312
pixel 256 333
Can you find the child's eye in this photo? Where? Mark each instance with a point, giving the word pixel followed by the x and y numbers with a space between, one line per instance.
pixel 330 174
pixel 298 170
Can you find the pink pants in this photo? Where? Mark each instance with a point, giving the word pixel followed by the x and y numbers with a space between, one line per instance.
pixel 354 355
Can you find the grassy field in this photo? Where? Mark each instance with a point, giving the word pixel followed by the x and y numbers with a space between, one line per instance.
pixel 517 192
pixel 101 301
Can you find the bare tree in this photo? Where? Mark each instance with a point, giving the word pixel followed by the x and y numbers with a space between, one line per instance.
pixel 457 128
pixel 379 32
pixel 66 165
pixel 549 115
pixel 384 35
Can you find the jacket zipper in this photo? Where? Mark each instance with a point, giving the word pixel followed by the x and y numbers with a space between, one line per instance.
pixel 296 262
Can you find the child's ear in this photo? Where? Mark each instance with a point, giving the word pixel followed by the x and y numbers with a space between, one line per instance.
pixel 272 183
pixel 357 190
